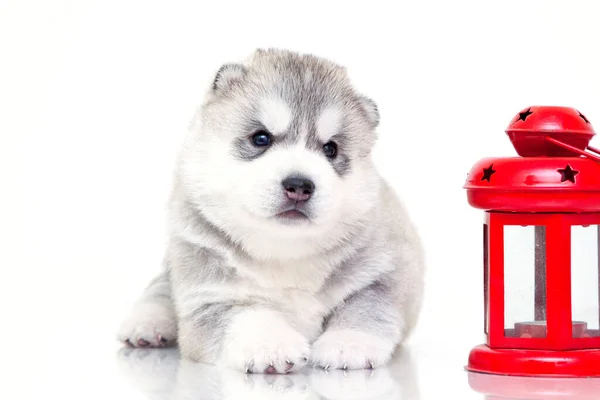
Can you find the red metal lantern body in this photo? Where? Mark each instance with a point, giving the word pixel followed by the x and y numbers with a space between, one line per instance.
pixel 541 232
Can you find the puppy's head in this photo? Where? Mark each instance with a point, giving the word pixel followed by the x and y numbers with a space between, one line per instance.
pixel 282 146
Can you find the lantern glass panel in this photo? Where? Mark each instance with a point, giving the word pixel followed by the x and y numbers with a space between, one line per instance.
pixel 525 281
pixel 584 281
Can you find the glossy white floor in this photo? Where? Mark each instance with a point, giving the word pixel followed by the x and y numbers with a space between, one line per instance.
pixel 162 375
pixel 80 367
pixel 412 375
pixel 83 369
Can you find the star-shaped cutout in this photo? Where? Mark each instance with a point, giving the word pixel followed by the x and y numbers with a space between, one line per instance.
pixel 488 172
pixel 523 116
pixel 568 174
pixel 584 118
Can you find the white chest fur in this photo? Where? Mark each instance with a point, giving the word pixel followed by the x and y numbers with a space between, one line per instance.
pixel 302 274
pixel 290 288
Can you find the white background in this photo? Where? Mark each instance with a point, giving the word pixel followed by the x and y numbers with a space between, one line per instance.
pixel 95 97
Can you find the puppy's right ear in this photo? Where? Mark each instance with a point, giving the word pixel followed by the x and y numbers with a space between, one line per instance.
pixel 227 76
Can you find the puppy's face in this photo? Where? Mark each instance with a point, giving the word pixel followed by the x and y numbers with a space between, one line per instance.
pixel 282 144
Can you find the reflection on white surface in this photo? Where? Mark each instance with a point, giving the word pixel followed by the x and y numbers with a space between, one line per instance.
pixel 160 374
pixel 497 387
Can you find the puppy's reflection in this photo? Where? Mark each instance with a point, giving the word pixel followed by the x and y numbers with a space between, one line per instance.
pixel 161 375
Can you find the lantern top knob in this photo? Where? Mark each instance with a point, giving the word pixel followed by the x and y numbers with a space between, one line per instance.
pixel 557 171
pixel 549 131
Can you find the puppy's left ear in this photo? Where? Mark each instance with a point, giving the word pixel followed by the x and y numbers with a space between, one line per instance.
pixel 227 76
pixel 371 110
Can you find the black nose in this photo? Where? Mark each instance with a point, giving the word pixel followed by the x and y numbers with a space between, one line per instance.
pixel 297 188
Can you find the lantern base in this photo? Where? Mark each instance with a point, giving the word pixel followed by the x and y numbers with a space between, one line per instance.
pixel 542 363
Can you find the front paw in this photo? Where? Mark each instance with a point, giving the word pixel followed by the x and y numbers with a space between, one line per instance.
pixel 260 341
pixel 149 325
pixel 350 349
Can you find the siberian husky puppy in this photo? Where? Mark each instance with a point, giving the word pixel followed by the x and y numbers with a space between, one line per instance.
pixel 286 247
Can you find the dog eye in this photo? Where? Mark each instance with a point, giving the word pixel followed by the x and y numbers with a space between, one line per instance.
pixel 261 139
pixel 330 149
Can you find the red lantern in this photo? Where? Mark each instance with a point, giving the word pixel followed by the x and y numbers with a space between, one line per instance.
pixel 541 243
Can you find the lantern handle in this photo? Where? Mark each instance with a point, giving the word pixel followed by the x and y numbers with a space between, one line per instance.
pixel 595 150
pixel 576 150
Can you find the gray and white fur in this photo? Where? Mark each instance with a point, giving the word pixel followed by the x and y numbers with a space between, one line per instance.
pixel 264 275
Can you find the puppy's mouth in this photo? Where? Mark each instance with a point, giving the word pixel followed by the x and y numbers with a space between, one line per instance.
pixel 293 213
